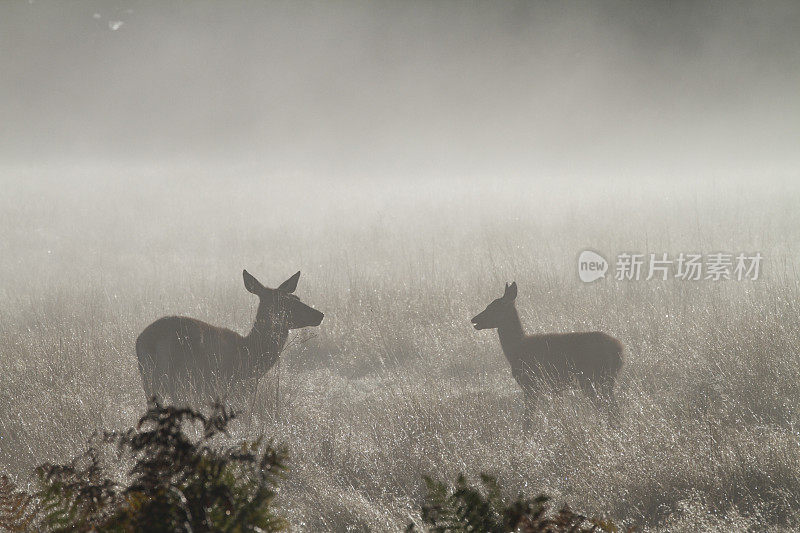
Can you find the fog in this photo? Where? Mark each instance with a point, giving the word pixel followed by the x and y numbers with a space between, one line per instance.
pixel 411 159
pixel 373 90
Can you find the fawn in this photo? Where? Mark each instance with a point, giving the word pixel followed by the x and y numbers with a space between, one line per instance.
pixel 590 360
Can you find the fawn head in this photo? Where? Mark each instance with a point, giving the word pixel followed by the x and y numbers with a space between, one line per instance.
pixel 494 314
pixel 279 307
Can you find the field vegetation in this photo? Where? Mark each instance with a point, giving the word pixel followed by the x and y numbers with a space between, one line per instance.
pixel 395 384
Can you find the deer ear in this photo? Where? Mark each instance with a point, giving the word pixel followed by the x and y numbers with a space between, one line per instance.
pixel 290 284
pixel 511 291
pixel 251 283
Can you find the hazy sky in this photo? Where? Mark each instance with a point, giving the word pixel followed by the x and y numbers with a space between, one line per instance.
pixel 423 88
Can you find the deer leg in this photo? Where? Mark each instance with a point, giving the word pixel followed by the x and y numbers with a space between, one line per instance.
pixel 251 397
pixel 596 393
pixel 610 401
pixel 152 378
pixel 529 410
pixel 153 384
pixel 148 384
pixel 592 393
pixel 176 384
pixel 169 389
pixel 601 393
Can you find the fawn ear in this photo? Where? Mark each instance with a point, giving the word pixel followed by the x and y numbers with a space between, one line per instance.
pixel 251 283
pixel 290 284
pixel 511 291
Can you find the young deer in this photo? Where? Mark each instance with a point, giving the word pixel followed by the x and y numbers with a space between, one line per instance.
pixel 174 348
pixel 590 360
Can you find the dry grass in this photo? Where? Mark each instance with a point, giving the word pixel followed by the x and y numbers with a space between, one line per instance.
pixel 396 384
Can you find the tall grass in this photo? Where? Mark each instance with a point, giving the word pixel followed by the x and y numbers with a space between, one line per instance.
pixel 395 383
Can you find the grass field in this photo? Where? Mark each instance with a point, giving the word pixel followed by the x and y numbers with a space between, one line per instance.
pixel 395 383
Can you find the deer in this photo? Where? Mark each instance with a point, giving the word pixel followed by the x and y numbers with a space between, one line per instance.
pixel 590 360
pixel 174 349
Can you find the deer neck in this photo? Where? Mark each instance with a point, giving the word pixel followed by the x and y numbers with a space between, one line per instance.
pixel 267 337
pixel 511 333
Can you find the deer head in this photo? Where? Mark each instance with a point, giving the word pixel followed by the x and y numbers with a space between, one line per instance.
pixel 279 308
pixel 496 312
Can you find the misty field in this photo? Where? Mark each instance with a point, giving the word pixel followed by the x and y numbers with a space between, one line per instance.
pixel 395 383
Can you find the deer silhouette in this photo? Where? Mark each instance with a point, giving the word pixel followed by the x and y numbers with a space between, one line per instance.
pixel 174 349
pixel 591 361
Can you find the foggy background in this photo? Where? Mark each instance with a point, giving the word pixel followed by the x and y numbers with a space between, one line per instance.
pixel 379 89
pixel 410 158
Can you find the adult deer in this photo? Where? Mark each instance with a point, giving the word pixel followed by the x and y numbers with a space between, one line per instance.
pixel 174 349
pixel 591 361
